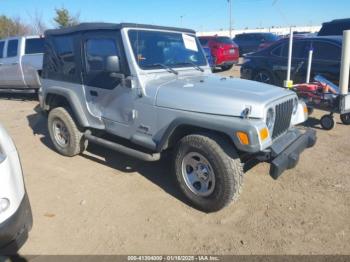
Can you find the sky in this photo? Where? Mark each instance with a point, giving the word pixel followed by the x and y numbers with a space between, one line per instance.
pixel 201 15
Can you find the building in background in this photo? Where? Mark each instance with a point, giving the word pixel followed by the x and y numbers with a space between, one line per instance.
pixel 276 30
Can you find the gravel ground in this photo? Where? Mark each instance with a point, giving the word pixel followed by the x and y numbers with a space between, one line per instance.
pixel 104 203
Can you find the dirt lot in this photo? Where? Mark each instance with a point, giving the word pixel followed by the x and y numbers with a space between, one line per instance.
pixel 105 203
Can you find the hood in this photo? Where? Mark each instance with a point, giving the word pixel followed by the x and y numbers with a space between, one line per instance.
pixel 212 94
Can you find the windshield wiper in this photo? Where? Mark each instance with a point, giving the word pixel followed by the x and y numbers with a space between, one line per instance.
pixel 192 64
pixel 168 68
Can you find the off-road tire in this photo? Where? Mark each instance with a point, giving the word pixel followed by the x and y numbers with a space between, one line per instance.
pixel 77 144
pixel 228 170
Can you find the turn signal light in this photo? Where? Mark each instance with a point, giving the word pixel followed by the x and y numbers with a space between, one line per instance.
pixel 306 110
pixel 243 138
pixel 264 134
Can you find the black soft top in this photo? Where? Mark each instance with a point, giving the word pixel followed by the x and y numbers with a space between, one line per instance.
pixel 110 26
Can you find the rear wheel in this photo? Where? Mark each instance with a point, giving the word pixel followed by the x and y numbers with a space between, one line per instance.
pixel 345 118
pixel 226 67
pixel 64 133
pixel 264 76
pixel 208 171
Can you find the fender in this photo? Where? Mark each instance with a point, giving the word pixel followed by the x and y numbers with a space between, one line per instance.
pixel 216 124
pixel 79 112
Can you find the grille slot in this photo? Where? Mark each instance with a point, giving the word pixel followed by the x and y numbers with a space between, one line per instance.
pixel 283 117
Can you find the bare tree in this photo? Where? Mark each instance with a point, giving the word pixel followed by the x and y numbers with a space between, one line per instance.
pixel 20 28
pixel 38 25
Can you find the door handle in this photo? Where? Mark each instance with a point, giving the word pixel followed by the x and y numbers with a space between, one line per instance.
pixel 16 63
pixel 93 93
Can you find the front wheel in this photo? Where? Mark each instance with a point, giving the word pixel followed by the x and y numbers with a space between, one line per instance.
pixel 209 171
pixel 345 118
pixel 64 133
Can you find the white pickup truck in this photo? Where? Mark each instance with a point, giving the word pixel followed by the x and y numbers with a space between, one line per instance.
pixel 21 60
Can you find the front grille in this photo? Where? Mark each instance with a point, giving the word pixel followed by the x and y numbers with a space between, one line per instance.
pixel 283 117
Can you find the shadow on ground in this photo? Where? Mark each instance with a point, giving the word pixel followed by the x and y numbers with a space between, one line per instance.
pixel 158 173
pixel 18 96
pixel 313 123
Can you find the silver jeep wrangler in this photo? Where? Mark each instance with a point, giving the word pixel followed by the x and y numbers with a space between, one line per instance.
pixel 143 90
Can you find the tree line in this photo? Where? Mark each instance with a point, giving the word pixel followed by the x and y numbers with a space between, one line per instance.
pixel 15 26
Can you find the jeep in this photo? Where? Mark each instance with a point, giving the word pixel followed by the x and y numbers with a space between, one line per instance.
pixel 145 90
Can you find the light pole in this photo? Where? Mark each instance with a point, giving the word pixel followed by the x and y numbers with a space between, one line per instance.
pixel 230 15
pixel 181 19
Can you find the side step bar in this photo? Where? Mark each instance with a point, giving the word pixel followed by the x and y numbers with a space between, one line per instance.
pixel 122 149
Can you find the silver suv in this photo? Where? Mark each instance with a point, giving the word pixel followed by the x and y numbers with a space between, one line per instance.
pixel 144 90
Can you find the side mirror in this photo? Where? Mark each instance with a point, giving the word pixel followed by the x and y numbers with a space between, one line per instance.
pixel 113 64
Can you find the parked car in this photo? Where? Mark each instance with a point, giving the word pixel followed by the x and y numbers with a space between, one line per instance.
pixel 144 90
pixel 224 51
pixel 252 42
pixel 21 60
pixel 270 65
pixel 335 27
pixel 15 211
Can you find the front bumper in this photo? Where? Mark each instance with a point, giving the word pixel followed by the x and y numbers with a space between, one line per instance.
pixel 285 152
pixel 14 231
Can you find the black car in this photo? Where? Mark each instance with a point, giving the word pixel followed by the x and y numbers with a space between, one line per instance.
pixel 270 65
pixel 335 27
pixel 252 42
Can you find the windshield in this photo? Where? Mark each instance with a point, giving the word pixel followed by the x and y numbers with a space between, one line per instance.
pixel 152 49
pixel 224 40
pixel 270 37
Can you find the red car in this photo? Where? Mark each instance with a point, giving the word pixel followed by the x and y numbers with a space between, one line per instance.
pixel 224 51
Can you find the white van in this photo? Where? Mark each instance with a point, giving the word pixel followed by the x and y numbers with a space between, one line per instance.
pixel 21 61
pixel 15 212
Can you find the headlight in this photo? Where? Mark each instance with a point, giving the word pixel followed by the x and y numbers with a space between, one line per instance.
pixel 295 105
pixel 270 119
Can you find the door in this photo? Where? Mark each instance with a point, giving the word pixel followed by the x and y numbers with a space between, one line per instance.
pixel 107 98
pixel 326 60
pixel 11 68
pixel 32 60
pixel 2 50
pixel 299 61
